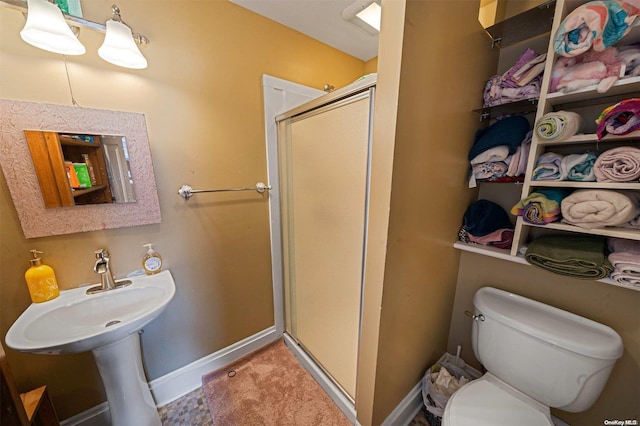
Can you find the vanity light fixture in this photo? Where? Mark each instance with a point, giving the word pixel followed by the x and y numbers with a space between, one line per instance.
pixel 365 14
pixel 119 47
pixel 47 29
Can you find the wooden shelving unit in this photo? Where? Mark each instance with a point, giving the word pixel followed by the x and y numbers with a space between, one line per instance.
pixel 584 101
pixel 50 150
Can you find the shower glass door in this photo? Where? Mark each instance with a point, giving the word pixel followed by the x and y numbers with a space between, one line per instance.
pixel 324 166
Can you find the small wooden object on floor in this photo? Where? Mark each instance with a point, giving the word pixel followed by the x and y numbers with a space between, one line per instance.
pixel 30 408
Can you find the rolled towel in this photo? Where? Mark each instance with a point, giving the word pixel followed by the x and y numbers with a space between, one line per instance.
pixel 619 119
pixel 535 212
pixel 579 167
pixel 559 126
pixel 578 256
pixel 621 164
pixel 540 207
pixel 548 167
pixel 596 24
pixel 598 208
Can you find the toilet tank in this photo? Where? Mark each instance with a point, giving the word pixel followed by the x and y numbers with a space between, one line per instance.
pixel 558 358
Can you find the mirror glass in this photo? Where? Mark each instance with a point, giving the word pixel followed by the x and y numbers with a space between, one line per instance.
pixel 96 167
pixel 38 181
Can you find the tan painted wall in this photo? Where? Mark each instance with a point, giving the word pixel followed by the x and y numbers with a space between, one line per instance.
pixel 429 194
pixel 202 98
pixel 382 152
pixel 616 307
pixel 371 65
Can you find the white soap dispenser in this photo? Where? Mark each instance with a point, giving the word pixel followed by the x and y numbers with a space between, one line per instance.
pixel 152 261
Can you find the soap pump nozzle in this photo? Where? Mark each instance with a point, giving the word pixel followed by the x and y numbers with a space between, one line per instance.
pixel 35 259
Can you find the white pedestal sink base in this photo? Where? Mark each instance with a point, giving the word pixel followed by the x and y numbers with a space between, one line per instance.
pixel 130 400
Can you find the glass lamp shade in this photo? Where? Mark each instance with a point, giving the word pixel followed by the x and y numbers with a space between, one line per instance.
pixel 119 48
pixel 47 29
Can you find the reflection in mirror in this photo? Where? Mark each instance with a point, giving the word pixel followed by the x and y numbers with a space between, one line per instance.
pixel 76 169
pixel 117 159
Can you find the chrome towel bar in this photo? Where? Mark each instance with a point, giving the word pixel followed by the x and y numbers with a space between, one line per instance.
pixel 186 191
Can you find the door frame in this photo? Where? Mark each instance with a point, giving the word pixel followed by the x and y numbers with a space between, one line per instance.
pixel 277 100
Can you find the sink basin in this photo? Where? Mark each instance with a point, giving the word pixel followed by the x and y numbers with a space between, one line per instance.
pixel 106 324
pixel 77 322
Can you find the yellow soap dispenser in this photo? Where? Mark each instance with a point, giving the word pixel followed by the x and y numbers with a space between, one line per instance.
pixel 41 280
pixel 152 261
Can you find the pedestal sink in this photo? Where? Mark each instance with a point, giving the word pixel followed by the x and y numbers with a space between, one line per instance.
pixel 106 324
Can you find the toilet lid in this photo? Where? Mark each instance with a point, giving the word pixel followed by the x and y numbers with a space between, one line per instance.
pixel 482 403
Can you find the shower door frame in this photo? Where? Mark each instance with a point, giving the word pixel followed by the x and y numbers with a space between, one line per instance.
pixel 276 91
pixel 364 89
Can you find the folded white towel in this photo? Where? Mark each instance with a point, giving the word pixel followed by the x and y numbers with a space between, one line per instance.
pixel 628 279
pixel 498 153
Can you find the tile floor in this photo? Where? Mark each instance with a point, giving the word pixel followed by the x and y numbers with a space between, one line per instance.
pixel 192 410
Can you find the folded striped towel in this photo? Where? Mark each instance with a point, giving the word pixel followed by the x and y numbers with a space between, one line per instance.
pixel 621 164
pixel 598 208
pixel 540 207
pixel 578 256
pixel 559 126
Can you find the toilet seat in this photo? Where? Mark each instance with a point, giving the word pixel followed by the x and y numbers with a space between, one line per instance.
pixel 488 402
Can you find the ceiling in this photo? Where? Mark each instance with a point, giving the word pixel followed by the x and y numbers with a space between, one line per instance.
pixel 319 19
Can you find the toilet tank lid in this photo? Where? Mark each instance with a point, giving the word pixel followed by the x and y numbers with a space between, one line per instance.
pixel 547 323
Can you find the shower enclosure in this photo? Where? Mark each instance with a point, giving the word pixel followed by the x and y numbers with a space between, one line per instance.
pixel 323 149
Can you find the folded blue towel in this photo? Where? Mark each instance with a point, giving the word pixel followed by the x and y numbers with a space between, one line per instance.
pixel 509 131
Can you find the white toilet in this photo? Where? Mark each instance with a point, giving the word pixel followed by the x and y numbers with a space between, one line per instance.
pixel 536 357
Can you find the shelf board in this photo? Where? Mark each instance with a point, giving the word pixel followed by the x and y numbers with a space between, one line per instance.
pixel 592 137
pixel 532 23
pixel 585 185
pixel 79 192
pixel 626 233
pixel 625 86
pixel 66 141
pixel 523 106
pixel 504 255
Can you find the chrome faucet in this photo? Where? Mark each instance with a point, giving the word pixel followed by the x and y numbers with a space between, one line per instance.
pixel 103 268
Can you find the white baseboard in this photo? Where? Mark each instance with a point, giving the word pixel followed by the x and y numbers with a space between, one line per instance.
pixel 407 409
pixel 180 382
